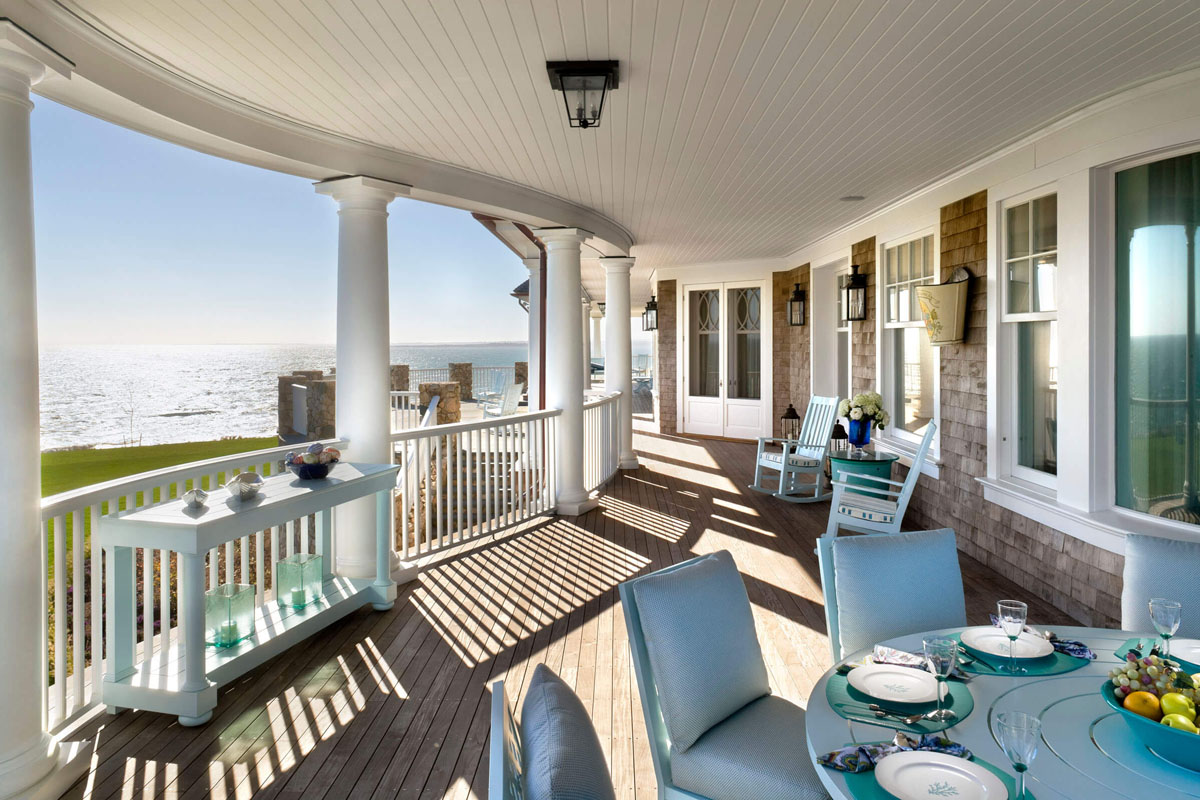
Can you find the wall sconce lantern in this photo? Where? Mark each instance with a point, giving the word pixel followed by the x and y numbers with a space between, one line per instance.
pixel 795 307
pixel 584 85
pixel 838 440
pixel 790 427
pixel 650 316
pixel 855 300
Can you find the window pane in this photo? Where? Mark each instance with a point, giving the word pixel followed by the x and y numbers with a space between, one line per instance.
pixel 1158 349
pixel 1045 270
pixel 905 302
pixel 1018 231
pixel 928 247
pixel 1018 286
pixel 704 317
pixel 912 377
pixel 744 350
pixel 1037 395
pixel 889 257
pixel 893 306
pixel 1045 224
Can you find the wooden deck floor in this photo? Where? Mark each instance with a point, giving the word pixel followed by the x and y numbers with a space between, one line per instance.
pixel 395 704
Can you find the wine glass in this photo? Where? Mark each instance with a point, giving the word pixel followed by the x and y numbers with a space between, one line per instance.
pixel 1019 734
pixel 1013 614
pixel 941 655
pixel 1165 614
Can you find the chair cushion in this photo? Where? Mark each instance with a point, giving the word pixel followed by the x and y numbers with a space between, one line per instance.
pixel 757 754
pixel 1158 567
pixel 891 584
pixel 562 756
pixel 866 507
pixel 795 459
pixel 704 653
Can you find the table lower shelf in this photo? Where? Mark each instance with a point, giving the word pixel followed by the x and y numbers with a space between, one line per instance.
pixel 157 683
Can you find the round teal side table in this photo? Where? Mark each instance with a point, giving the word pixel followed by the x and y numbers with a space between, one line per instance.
pixel 845 464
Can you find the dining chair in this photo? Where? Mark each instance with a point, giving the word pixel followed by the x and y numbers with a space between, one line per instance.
pixel 716 732
pixel 803 456
pixel 884 585
pixel 871 504
pixel 553 753
pixel 1160 567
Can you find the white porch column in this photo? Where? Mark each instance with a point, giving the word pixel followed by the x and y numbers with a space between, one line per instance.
pixel 534 266
pixel 363 411
pixel 586 352
pixel 618 349
pixel 27 754
pixel 564 380
pixel 597 339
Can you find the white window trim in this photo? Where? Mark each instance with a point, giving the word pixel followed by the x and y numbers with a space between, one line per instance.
pixel 1006 343
pixel 892 439
pixel 846 326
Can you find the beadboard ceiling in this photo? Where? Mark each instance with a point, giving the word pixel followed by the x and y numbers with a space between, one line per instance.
pixel 737 125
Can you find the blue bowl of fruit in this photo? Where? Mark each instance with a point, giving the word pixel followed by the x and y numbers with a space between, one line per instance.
pixel 314 463
pixel 1157 700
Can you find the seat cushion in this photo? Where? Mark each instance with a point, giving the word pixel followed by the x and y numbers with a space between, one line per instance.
pixel 562 759
pixel 865 507
pixel 700 639
pixel 1157 567
pixel 795 459
pixel 891 584
pixel 759 753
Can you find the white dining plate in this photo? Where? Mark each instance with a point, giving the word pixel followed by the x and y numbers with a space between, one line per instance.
pixel 993 642
pixel 1187 649
pixel 922 775
pixel 893 683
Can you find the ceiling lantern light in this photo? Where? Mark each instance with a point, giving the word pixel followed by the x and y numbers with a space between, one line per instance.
pixel 795 307
pixel 584 85
pixel 855 300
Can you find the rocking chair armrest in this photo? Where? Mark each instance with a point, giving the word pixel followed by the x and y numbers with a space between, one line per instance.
pixel 877 479
pixel 887 494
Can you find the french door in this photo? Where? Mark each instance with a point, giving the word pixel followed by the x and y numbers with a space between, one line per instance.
pixel 724 342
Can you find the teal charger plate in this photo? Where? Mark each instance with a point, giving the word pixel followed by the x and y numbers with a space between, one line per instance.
pixel 1181 748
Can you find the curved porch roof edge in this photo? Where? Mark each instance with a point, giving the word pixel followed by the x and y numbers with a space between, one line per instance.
pixel 118 85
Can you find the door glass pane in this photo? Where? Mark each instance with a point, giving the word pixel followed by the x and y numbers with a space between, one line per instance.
pixel 912 379
pixel 704 320
pixel 745 344
pixel 1158 349
pixel 1037 395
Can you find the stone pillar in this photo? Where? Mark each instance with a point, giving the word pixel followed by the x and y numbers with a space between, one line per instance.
pixel 449 400
pixel 521 375
pixel 464 375
pixel 586 351
pixel 564 380
pixel 534 265
pixel 27 754
pixel 400 378
pixel 363 351
pixel 322 409
pixel 618 353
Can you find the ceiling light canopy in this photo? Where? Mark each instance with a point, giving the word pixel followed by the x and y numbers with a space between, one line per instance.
pixel 584 85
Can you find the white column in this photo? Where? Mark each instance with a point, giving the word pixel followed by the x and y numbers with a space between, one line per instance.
pixel 27 754
pixel 363 411
pixel 586 352
pixel 597 337
pixel 564 344
pixel 534 265
pixel 618 350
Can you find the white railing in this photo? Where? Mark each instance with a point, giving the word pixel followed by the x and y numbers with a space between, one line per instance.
pixel 74 619
pixel 601 431
pixel 467 479
pixel 483 379
pixel 406 412
pixel 429 375
pixel 300 408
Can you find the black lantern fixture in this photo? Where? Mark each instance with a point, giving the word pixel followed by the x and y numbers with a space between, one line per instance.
pixel 650 315
pixel 837 441
pixel 855 299
pixel 584 85
pixel 790 427
pixel 795 307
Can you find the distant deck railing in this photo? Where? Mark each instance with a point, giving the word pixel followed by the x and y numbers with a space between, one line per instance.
pixel 406 412
pixel 482 378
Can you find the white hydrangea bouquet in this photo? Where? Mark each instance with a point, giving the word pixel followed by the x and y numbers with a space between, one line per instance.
pixel 868 406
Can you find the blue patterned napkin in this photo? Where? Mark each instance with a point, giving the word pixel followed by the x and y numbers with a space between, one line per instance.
pixel 1065 646
pixel 864 757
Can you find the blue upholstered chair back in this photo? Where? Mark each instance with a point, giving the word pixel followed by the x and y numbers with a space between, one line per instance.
pixel 504 749
pixel 1158 567
pixel 881 585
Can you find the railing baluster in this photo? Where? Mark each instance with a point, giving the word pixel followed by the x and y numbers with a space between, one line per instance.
pixel 95 594
pixel 439 475
pixel 273 544
pixel 78 598
pixel 260 588
pixel 147 601
pixel 60 617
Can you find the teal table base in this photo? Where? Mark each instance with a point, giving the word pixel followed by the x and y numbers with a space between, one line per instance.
pixel 1055 664
pixel 1132 644
pixel 863 786
pixel 851 704
pixel 844 468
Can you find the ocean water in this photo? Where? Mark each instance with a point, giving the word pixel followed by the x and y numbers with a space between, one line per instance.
pixel 107 396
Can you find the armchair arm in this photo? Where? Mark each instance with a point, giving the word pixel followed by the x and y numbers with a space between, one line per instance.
pixel 877 479
pixel 887 494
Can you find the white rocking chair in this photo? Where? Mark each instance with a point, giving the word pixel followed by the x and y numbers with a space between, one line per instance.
pixel 802 456
pixel 506 404
pixel 876 505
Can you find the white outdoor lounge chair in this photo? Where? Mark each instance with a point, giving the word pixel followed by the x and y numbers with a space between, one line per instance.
pixel 493 393
pixel 802 456
pixel 507 404
pixel 876 505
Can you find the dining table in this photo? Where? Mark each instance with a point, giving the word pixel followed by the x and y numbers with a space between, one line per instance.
pixel 1087 751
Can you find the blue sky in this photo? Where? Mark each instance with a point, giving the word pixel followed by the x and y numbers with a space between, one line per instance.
pixel 141 241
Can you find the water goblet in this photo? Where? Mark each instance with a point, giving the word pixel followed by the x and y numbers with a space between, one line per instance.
pixel 1013 614
pixel 941 655
pixel 1019 734
pixel 1165 614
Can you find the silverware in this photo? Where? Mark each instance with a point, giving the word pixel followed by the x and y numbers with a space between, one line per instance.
pixel 908 719
pixel 980 659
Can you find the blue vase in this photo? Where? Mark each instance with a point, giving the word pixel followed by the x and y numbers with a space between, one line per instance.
pixel 859 434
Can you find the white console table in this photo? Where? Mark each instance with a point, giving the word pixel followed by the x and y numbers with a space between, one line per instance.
pixel 182 676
